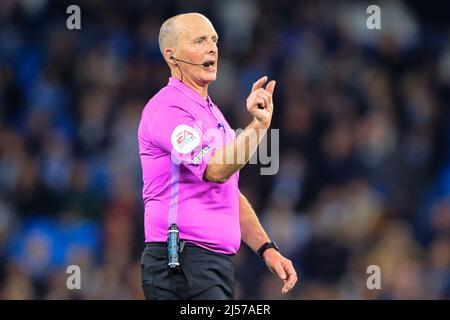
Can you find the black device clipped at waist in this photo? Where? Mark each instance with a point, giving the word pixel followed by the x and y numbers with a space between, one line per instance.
pixel 173 246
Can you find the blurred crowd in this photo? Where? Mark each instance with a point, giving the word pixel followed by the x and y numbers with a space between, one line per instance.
pixel 364 157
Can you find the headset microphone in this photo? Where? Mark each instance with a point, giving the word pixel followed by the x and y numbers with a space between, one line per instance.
pixel 204 64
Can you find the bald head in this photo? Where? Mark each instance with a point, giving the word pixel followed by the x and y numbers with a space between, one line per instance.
pixel 177 26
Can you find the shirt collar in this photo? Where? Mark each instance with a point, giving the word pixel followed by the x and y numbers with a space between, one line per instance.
pixel 190 92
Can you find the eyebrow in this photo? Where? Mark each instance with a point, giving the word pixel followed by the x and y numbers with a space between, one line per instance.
pixel 215 37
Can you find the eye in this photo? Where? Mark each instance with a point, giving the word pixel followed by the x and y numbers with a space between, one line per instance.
pixel 201 40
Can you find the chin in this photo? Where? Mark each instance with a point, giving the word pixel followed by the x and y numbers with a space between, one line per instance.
pixel 210 78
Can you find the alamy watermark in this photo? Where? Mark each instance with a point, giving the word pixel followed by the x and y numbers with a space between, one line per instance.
pixel 74 280
pixel 193 145
pixel 73 21
pixel 374 20
pixel 374 280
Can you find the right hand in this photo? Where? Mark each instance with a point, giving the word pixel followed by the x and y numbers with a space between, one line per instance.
pixel 259 95
pixel 282 267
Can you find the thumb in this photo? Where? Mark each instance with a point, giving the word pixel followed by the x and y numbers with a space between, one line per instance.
pixel 271 86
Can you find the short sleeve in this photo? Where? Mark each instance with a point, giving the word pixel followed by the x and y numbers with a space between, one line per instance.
pixel 175 131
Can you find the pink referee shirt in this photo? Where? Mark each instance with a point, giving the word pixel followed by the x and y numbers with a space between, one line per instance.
pixel 178 133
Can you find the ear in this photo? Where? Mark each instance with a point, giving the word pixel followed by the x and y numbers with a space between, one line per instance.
pixel 168 56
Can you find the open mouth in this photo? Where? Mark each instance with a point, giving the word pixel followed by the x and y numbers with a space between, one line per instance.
pixel 209 63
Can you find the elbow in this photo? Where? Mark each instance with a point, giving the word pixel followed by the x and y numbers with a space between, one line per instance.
pixel 214 175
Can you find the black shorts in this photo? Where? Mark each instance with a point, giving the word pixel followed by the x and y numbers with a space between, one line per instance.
pixel 203 274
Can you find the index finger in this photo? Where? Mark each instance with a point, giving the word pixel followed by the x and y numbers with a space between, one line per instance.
pixel 258 84
pixel 271 86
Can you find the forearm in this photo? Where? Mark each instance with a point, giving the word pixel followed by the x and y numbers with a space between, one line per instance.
pixel 230 159
pixel 252 232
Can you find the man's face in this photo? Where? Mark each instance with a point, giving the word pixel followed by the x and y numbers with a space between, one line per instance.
pixel 197 43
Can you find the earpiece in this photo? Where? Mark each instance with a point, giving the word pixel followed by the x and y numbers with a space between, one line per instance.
pixel 172 58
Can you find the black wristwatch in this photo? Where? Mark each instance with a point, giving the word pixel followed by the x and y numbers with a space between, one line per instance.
pixel 266 246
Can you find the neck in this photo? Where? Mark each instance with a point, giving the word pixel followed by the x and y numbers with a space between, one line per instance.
pixel 197 87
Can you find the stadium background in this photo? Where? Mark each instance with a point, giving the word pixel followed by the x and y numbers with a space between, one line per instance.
pixel 364 151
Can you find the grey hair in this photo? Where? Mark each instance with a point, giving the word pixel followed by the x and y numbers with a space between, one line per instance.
pixel 167 34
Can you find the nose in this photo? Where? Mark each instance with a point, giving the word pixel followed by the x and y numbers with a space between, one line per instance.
pixel 212 48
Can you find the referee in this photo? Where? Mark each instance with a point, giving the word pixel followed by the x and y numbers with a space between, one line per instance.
pixel 189 156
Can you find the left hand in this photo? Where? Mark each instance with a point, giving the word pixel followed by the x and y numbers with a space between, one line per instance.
pixel 282 267
pixel 261 96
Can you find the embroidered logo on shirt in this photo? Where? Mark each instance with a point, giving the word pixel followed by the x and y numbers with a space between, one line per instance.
pixel 184 138
pixel 196 159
